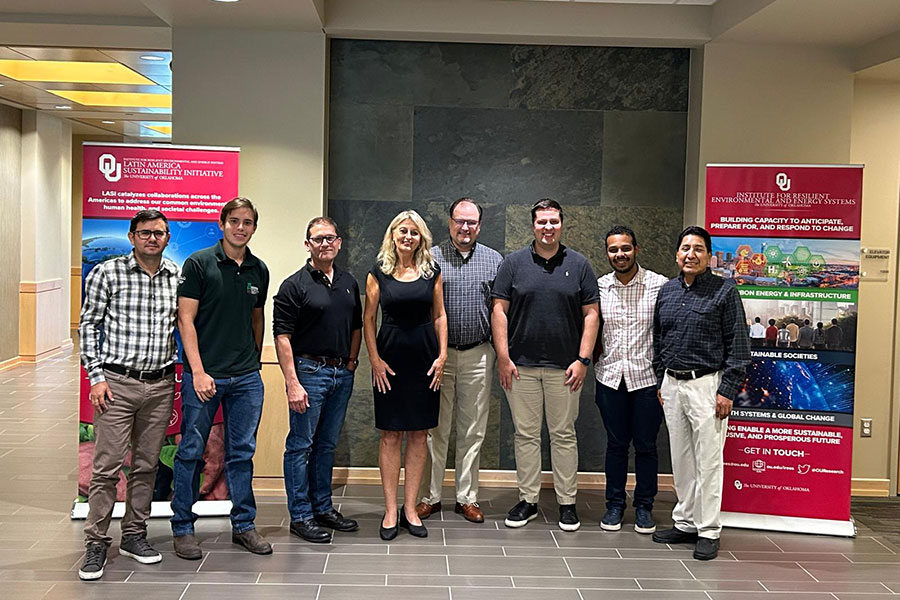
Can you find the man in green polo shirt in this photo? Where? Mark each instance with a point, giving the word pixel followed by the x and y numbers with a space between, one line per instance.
pixel 221 297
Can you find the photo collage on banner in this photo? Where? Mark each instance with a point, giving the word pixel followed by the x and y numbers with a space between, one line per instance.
pixel 189 185
pixel 788 235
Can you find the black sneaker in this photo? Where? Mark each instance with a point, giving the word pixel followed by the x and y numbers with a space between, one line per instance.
pixel 521 513
pixel 675 536
pixel 612 519
pixel 137 547
pixel 94 561
pixel 568 518
pixel 310 531
pixel 706 549
pixel 643 521
pixel 336 521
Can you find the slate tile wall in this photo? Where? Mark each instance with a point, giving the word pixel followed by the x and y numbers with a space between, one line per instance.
pixel 417 125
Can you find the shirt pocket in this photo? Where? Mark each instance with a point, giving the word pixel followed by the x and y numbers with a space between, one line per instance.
pixel 704 318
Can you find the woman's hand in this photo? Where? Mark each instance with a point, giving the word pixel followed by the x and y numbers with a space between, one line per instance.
pixel 437 370
pixel 380 372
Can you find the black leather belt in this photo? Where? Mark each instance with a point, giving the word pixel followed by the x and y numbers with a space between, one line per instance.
pixel 324 360
pixel 692 374
pixel 462 347
pixel 140 375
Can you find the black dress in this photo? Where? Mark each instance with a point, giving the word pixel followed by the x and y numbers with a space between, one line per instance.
pixel 408 344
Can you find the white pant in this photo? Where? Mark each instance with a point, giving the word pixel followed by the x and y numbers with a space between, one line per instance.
pixel 466 386
pixel 696 438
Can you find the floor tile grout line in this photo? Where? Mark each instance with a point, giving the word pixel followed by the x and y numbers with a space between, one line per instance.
pixel 258 577
pixel 877 541
pixel 129 577
pixel 184 591
pixel 835 596
pixel 447 562
pixel 555 541
pixel 579 593
pixel 807 572
pixel 707 594
pixel 503 549
pixel 444 536
pixel 200 566
pixel 318 591
pixel 886 587
pixel 638 583
pixel 762 584
pixel 774 544
pixel 325 565
pixel 691 573
pixel 512 580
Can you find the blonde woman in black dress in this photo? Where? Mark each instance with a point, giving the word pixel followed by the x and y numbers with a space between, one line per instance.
pixel 407 357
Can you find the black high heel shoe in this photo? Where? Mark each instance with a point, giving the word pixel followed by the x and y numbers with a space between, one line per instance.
pixel 389 533
pixel 416 530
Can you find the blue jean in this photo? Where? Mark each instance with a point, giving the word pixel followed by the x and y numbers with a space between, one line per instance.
pixel 241 399
pixel 630 418
pixel 309 449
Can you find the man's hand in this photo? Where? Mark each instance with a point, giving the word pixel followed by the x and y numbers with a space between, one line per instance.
pixel 507 370
pixel 298 399
pixel 101 397
pixel 659 397
pixel 575 375
pixel 204 387
pixel 723 406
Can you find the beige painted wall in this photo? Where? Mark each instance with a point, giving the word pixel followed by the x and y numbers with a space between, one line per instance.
pixel 876 143
pixel 10 243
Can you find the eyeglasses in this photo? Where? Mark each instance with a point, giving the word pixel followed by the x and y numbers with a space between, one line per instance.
pixel 144 234
pixel 461 222
pixel 319 240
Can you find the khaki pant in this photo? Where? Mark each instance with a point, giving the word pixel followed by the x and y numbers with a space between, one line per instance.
pixel 696 439
pixel 541 392
pixel 135 421
pixel 467 388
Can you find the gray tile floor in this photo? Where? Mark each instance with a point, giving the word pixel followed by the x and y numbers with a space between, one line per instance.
pixel 40 548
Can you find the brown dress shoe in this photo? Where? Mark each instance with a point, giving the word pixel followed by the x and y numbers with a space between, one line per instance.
pixel 252 541
pixel 472 512
pixel 186 547
pixel 425 510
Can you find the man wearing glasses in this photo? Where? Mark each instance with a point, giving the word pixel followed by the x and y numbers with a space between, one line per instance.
pixel 318 329
pixel 128 350
pixel 468 270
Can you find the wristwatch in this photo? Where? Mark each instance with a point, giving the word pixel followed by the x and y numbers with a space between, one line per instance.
pixel 585 361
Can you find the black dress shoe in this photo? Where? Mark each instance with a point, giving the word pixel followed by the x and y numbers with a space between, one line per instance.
pixel 389 533
pixel 706 549
pixel 310 531
pixel 416 530
pixel 335 520
pixel 675 536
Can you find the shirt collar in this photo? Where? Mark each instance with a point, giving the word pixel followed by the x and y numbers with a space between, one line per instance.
pixel 702 277
pixel 638 279
pixel 450 247
pixel 560 253
pixel 164 264
pixel 249 259
pixel 318 274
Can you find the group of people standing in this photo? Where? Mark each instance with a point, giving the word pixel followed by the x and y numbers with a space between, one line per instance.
pixel 792 335
pixel 674 349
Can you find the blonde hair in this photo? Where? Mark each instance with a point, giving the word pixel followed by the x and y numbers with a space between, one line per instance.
pixel 387 256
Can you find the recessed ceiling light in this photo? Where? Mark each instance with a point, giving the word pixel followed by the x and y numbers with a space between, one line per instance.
pixel 108 122
pixel 226 1
pixel 63 107
pixel 152 57
pixel 71 72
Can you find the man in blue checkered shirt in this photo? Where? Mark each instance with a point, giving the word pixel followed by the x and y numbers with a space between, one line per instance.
pixel 128 350
pixel 701 352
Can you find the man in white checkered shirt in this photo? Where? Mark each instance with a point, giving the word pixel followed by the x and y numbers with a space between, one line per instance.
pixel 626 383
pixel 129 300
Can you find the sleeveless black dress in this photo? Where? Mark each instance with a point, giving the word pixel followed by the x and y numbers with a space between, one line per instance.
pixel 408 344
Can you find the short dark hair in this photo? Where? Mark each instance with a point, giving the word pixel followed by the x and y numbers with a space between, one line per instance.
pixel 757 319
pixel 819 325
pixel 834 321
pixel 620 230
pixel 326 220
pixel 771 321
pixel 147 215
pixel 698 231
pixel 236 203
pixel 459 201
pixel 546 204
pixel 806 321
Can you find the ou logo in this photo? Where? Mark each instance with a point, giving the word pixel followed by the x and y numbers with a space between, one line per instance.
pixel 111 169
pixel 783 182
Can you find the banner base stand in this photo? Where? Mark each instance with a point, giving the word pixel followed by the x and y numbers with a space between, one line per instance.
pixel 789 524
pixel 204 508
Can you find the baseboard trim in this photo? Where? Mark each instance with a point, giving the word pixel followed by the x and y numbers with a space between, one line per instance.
pixel 10 363
pixel 495 478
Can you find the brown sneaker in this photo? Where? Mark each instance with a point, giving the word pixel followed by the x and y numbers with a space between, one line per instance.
pixel 472 512
pixel 252 541
pixel 186 547
pixel 425 510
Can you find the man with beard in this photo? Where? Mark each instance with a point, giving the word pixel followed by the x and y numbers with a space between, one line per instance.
pixel 626 383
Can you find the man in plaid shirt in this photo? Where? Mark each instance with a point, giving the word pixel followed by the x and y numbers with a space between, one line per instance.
pixel 701 352
pixel 626 383
pixel 131 302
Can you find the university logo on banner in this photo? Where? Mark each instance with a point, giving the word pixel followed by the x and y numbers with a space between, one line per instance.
pixel 788 235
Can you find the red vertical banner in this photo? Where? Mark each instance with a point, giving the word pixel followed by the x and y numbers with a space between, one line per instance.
pixel 188 184
pixel 789 237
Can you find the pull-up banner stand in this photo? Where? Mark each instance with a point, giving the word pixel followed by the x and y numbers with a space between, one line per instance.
pixel 188 184
pixel 789 237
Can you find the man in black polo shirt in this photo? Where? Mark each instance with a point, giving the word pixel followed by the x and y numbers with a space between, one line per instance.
pixel 220 316
pixel 318 329
pixel 544 321
pixel 701 352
